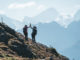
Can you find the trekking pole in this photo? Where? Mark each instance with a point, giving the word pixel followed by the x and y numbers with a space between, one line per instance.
pixel 30 24
pixel 2 20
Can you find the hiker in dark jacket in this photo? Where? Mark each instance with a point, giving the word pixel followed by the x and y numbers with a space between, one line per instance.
pixel 25 31
pixel 34 32
pixel 51 57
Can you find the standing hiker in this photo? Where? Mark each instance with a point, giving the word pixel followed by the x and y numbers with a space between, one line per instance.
pixel 51 57
pixel 25 31
pixel 34 32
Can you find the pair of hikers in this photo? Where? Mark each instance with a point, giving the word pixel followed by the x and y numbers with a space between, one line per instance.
pixel 34 32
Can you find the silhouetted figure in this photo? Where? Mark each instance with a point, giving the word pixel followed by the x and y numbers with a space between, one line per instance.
pixel 25 31
pixel 34 32
pixel 51 57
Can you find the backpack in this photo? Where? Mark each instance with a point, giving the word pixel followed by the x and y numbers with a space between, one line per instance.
pixel 24 29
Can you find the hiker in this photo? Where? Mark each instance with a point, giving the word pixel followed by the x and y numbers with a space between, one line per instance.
pixel 34 32
pixel 51 57
pixel 25 31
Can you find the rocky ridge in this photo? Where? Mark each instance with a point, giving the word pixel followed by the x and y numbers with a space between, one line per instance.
pixel 14 46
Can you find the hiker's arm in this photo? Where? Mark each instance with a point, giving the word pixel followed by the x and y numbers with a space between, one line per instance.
pixel 28 27
pixel 31 27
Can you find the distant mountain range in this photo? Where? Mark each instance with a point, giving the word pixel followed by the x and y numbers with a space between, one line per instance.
pixel 50 32
pixel 55 32
pixel 46 16
pixel 73 52
pixel 11 22
pixel 77 16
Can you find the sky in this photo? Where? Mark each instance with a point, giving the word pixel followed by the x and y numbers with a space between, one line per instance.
pixel 18 9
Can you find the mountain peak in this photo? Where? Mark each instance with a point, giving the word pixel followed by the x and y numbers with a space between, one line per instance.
pixel 51 9
pixel 77 16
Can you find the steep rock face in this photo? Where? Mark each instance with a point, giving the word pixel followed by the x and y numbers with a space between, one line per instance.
pixel 13 44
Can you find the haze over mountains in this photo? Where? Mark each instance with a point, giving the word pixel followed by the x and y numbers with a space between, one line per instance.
pixel 52 32
pixel 9 21
pixel 45 17
pixel 77 16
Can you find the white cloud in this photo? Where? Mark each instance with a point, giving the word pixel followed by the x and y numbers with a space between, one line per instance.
pixel 64 20
pixel 2 12
pixel 66 16
pixel 41 7
pixel 18 5
pixel 77 6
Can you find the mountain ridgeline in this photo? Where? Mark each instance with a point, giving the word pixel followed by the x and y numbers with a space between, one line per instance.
pixel 13 45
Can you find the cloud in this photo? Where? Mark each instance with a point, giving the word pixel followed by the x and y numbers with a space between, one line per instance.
pixel 64 20
pixel 77 6
pixel 17 5
pixel 2 12
pixel 41 7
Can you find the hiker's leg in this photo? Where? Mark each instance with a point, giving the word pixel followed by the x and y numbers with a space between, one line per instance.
pixel 35 37
pixel 32 36
pixel 26 36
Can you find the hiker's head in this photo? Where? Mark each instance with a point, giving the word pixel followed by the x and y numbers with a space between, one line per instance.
pixel 34 27
pixel 25 25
